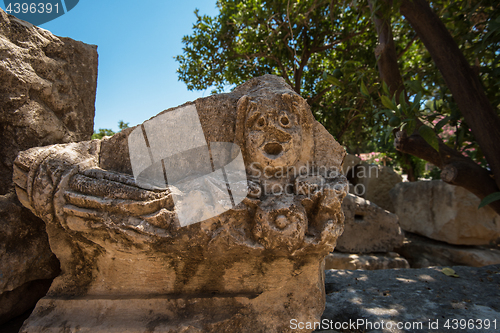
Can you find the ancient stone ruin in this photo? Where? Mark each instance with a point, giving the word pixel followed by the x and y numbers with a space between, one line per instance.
pixel 130 263
pixel 371 234
pixel 368 228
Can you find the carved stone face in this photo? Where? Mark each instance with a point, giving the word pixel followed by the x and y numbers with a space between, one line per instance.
pixel 273 134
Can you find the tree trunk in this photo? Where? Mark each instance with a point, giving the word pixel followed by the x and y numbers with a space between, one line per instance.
pixel 387 59
pixel 408 167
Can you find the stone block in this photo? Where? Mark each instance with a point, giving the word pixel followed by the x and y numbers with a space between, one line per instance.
pixel 444 212
pixel 425 252
pixel 368 228
pixel 373 182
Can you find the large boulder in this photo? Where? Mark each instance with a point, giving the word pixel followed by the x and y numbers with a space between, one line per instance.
pixel 368 228
pixel 47 95
pixel 373 182
pixel 412 300
pixel 444 212
pixel 424 252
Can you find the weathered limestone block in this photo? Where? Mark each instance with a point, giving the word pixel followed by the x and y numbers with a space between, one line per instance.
pixel 368 228
pixel 424 252
pixel 444 212
pixel 47 94
pixel 369 261
pixel 373 182
pixel 138 254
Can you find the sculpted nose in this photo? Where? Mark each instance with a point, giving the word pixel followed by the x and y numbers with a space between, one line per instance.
pixel 277 134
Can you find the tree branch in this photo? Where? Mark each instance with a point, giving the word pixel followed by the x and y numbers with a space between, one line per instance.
pixel 457 168
pixel 283 71
pixel 303 62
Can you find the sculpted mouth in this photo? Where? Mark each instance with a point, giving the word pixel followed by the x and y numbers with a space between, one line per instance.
pixel 273 148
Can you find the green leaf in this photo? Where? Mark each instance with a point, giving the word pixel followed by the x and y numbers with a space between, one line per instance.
pixel 489 199
pixel 402 107
pixel 416 102
pixel 344 109
pixel 402 97
pixel 441 123
pixel 330 79
pixel 411 126
pixel 415 86
pixel 364 90
pixel 460 136
pixel 388 103
pixel 388 133
pixel 449 272
pixel 356 117
pixel 385 88
pixel 429 136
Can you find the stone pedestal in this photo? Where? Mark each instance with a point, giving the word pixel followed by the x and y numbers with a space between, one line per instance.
pixel 263 297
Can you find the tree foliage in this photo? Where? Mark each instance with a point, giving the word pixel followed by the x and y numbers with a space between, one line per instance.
pixel 320 48
pixel 332 53
pixel 107 131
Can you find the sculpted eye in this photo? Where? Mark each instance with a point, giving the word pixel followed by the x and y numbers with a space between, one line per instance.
pixel 284 121
pixel 261 122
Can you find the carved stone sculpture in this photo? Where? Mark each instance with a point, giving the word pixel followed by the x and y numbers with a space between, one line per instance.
pixel 131 262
